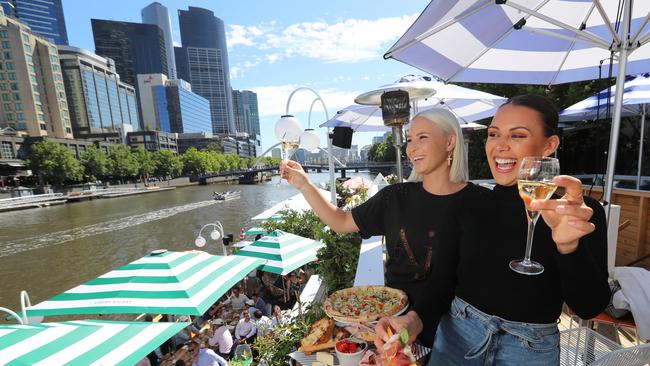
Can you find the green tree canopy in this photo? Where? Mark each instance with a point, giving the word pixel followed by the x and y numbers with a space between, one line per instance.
pixel 146 164
pixel 194 162
pixel 95 162
pixel 167 163
pixel 54 162
pixel 122 162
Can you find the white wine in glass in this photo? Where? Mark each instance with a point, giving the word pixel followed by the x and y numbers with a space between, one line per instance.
pixel 535 181
pixel 288 145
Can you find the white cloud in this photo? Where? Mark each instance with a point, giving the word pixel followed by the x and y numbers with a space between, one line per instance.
pixel 351 40
pixel 272 100
pixel 237 71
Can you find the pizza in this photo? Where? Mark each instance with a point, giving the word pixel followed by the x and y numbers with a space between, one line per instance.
pixel 365 303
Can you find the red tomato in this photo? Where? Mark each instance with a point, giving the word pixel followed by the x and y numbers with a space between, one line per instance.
pixel 400 359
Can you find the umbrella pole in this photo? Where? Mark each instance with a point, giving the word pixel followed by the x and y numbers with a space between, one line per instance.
pixel 397 142
pixel 618 105
pixel 639 167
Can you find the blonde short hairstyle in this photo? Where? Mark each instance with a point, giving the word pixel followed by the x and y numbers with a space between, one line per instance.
pixel 448 123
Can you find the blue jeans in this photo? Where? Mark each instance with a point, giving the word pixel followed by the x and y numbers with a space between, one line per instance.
pixel 467 336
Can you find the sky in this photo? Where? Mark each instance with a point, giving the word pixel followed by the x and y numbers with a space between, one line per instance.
pixel 334 47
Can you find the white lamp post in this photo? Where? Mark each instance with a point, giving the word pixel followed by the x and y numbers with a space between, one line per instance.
pixel 308 139
pixel 216 234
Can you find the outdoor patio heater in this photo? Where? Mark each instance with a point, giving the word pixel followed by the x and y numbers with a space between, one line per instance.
pixel 396 112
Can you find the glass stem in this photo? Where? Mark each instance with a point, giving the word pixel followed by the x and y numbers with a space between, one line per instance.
pixel 529 238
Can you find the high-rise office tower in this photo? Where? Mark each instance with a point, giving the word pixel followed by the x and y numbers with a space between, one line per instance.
pixel 156 13
pixel 136 48
pixel 246 113
pixel 203 61
pixel 99 101
pixel 31 84
pixel 172 105
pixel 44 17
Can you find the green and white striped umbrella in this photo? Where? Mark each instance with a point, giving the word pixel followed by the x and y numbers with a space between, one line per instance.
pixel 82 342
pixel 166 283
pixel 282 251
pixel 256 230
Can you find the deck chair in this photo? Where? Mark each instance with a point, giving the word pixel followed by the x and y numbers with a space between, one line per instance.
pixel 583 346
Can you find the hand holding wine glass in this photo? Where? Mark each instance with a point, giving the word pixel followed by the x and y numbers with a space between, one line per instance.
pixel 535 181
pixel 568 217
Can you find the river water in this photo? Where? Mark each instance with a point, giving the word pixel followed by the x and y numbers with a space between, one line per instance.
pixel 49 250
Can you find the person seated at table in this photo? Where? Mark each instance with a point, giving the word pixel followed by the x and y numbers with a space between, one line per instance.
pixel 245 329
pixel 249 308
pixel 407 214
pixel 262 324
pixel 204 356
pixel 277 318
pixel 489 314
pixel 259 303
pixel 237 300
pixel 220 338
pixel 184 335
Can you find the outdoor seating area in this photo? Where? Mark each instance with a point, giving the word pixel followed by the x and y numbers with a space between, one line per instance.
pixel 525 249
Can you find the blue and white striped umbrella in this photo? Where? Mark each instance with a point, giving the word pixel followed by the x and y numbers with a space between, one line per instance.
pixel 468 105
pixel 636 95
pixel 531 42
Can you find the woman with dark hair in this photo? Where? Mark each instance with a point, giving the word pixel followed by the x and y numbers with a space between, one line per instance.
pixel 488 314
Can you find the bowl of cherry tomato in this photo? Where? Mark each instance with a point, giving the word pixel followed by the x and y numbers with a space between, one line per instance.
pixel 350 351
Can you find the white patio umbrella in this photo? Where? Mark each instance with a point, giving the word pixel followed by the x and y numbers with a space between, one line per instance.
pixel 160 283
pixel 636 97
pixel 531 42
pixel 82 342
pixel 468 105
pixel 293 203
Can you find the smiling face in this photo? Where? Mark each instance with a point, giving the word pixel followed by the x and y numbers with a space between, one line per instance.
pixel 516 132
pixel 428 146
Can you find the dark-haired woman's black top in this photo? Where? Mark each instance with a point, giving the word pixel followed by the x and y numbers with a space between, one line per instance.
pixel 483 233
pixel 409 217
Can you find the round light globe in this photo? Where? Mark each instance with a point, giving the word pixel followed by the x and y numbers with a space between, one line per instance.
pixel 287 128
pixel 199 241
pixel 309 140
pixel 215 235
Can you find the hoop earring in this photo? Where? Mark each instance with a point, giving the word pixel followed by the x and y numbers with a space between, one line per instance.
pixel 449 159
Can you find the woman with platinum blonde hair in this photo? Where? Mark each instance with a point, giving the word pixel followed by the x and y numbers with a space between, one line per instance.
pixel 448 123
pixel 407 214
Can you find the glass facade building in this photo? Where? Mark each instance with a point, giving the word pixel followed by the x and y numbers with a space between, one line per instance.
pixel 180 110
pixel 156 13
pixel 136 48
pixel 44 17
pixel 203 61
pixel 99 101
pixel 247 118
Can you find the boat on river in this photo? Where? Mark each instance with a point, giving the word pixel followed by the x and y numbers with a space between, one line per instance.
pixel 226 196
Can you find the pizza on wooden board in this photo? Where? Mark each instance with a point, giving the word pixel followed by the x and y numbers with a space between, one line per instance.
pixel 365 303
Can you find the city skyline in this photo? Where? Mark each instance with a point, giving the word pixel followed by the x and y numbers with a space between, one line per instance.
pixel 279 46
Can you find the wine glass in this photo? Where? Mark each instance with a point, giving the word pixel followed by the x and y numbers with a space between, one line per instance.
pixel 287 131
pixel 288 144
pixel 535 181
